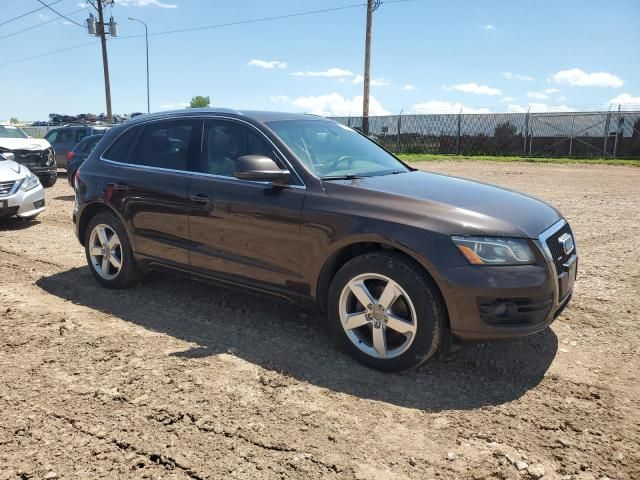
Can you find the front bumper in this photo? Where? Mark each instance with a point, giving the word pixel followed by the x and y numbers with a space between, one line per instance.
pixel 23 204
pixel 489 303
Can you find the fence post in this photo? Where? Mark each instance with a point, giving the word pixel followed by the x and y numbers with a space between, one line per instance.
pixel 526 134
pixel 618 134
pixel 531 136
pixel 606 133
pixel 573 122
pixel 398 133
pixel 458 133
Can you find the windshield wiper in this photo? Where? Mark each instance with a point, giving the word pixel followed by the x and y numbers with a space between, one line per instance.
pixel 349 176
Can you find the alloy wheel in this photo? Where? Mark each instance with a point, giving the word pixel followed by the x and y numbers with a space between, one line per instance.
pixel 377 315
pixel 105 251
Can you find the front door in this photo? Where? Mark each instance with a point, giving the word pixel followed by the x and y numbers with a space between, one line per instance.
pixel 243 231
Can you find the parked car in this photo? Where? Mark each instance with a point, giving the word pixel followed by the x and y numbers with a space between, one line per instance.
pixel 309 210
pixel 79 154
pixel 21 193
pixel 65 138
pixel 34 153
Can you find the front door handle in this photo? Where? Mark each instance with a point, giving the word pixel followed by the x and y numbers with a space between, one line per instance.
pixel 121 187
pixel 200 199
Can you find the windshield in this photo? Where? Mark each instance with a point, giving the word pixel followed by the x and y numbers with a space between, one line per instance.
pixel 332 150
pixel 9 131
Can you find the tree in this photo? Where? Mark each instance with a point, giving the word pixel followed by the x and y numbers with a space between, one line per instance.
pixel 199 101
pixel 13 120
pixel 505 135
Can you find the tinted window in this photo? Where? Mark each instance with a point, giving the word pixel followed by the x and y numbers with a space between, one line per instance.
pixel 64 136
pixel 51 136
pixel 120 151
pixel 166 144
pixel 225 142
pixel 80 134
pixel 82 147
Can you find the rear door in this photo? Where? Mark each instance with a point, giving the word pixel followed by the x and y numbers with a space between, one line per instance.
pixel 62 140
pixel 147 169
pixel 243 231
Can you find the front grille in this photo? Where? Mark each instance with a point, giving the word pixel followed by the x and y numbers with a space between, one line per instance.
pixel 8 212
pixel 555 248
pixel 5 188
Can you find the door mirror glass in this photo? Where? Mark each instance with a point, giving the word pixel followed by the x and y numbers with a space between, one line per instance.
pixel 260 169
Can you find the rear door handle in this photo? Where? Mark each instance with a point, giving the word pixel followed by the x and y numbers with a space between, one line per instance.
pixel 200 199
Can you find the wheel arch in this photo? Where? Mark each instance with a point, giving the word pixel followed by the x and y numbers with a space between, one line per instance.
pixel 355 248
pixel 91 211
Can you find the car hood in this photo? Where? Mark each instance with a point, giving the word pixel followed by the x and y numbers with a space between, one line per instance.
pixel 24 143
pixel 11 171
pixel 449 205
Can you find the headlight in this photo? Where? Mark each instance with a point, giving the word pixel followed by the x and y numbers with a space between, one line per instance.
pixel 495 251
pixel 29 183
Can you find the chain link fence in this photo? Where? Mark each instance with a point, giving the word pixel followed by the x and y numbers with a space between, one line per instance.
pixel 610 134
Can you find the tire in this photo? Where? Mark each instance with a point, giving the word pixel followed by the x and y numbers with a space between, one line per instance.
pixel 49 180
pixel 130 272
pixel 417 303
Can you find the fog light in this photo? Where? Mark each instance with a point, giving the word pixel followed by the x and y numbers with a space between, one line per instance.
pixel 505 309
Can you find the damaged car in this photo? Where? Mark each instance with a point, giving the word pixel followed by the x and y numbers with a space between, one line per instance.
pixel 36 154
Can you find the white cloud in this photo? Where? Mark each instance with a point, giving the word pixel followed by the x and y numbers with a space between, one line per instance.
pixel 576 77
pixel 438 106
pixel 474 88
pixel 625 99
pixel 173 105
pixel 82 5
pixel 508 99
pixel 330 73
pixel 408 86
pixel 375 82
pixel 66 22
pixel 43 17
pixel 552 90
pixel 489 27
pixel 336 104
pixel 145 3
pixel 537 108
pixel 537 95
pixel 517 76
pixel 279 99
pixel 268 64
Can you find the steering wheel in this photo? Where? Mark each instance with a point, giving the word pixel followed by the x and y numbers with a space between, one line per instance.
pixel 339 160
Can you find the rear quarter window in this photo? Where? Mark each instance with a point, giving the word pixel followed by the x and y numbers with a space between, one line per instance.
pixel 120 150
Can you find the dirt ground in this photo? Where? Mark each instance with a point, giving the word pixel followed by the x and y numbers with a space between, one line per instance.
pixel 175 379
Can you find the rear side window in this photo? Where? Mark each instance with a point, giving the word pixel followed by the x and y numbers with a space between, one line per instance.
pixel 82 147
pixel 80 134
pixel 121 150
pixel 167 144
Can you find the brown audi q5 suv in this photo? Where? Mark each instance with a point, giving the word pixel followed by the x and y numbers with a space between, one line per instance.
pixel 314 212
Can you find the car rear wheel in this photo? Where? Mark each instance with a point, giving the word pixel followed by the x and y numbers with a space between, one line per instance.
pixel 109 253
pixel 386 312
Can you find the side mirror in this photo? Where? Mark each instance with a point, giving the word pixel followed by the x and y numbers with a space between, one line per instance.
pixel 8 155
pixel 261 169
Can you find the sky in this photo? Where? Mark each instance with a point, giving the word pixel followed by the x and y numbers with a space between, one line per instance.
pixel 428 56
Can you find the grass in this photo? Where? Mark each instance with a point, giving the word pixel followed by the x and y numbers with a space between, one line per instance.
pixel 429 157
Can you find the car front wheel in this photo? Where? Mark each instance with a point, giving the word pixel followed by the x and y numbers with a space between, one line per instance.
pixel 386 312
pixel 109 253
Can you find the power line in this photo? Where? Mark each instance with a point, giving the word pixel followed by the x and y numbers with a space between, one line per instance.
pixel 38 25
pixel 245 22
pixel 206 27
pixel 48 53
pixel 61 15
pixel 29 12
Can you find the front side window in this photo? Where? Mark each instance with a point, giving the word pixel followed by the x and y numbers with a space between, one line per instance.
pixel 329 149
pixel 9 131
pixel 51 136
pixel 64 136
pixel 225 142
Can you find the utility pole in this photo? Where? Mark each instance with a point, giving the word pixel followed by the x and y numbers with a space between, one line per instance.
pixel 372 5
pixel 146 40
pixel 99 29
pixel 105 61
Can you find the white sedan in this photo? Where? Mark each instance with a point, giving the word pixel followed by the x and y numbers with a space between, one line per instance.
pixel 21 193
